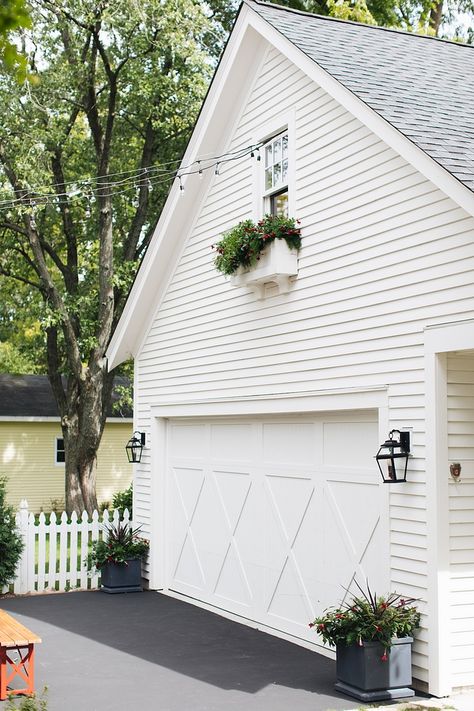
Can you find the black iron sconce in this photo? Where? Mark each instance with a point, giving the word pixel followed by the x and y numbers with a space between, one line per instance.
pixel 392 457
pixel 134 447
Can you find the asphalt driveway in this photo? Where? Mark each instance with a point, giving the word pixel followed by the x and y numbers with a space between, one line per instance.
pixel 147 651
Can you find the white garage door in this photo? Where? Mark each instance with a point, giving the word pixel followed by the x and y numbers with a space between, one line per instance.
pixel 272 518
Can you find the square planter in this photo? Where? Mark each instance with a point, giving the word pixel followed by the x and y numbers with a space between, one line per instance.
pixel 122 578
pixel 361 673
pixel 276 265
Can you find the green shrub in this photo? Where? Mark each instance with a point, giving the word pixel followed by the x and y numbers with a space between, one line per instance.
pixel 11 544
pixel 124 500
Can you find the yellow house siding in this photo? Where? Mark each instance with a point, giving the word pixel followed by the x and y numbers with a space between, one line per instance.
pixel 27 459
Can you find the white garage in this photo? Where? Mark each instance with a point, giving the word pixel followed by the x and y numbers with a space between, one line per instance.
pixel 270 518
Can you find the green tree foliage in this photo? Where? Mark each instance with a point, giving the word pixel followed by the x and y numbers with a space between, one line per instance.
pixel 124 500
pixel 118 86
pixel 13 15
pixel 11 544
pixel 12 360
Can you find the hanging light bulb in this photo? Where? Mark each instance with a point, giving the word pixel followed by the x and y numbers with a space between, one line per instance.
pixel 216 172
pixel 200 170
pixel 181 186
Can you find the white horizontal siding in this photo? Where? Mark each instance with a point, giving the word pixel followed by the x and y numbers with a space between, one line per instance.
pixel 384 255
pixel 461 516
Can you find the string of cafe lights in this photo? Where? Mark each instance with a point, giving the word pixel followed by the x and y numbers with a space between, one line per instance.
pixel 125 181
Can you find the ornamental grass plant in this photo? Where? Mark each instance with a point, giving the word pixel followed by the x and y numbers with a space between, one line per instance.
pixel 243 244
pixel 369 618
pixel 122 544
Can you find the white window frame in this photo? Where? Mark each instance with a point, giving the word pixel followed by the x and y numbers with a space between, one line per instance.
pixel 281 187
pixel 57 450
pixel 280 123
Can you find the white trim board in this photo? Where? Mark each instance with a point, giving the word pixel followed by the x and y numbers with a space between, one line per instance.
pixel 291 403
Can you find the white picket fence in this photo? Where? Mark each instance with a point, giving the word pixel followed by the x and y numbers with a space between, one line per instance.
pixel 55 553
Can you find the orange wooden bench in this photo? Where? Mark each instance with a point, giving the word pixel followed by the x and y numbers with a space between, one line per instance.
pixel 15 637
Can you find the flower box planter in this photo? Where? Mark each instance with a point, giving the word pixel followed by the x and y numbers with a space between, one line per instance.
pixel 277 263
pixel 361 673
pixel 122 577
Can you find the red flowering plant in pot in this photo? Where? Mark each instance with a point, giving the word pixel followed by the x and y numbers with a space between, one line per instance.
pixel 372 635
pixel 118 556
pixel 242 245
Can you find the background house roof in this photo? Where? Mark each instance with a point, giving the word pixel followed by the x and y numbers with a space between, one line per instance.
pixel 31 396
pixel 421 85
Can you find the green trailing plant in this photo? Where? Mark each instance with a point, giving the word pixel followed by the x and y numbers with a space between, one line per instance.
pixel 11 544
pixel 124 500
pixel 369 618
pixel 28 703
pixel 243 244
pixel 121 544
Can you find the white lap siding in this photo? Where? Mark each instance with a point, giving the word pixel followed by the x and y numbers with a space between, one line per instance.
pixel 461 516
pixel 385 253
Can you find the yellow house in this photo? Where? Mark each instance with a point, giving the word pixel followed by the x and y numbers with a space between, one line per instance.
pixel 32 447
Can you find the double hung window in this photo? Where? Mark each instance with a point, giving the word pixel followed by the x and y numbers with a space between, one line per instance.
pixel 276 174
pixel 60 457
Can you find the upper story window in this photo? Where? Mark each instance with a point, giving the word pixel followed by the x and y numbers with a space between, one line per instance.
pixel 60 457
pixel 276 174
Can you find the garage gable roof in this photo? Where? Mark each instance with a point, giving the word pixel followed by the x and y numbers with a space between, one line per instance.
pixel 421 85
pixel 411 101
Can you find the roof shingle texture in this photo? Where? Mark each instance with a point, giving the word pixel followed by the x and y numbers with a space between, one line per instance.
pixel 424 87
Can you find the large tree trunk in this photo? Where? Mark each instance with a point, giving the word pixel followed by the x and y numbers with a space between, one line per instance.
pixel 436 16
pixel 82 428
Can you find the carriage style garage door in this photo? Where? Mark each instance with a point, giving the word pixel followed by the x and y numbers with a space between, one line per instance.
pixel 271 518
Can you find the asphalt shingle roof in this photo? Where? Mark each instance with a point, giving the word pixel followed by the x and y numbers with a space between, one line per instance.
pixel 31 396
pixel 423 86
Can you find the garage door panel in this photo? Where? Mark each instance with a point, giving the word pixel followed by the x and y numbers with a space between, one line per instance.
pixel 232 442
pixel 289 443
pixel 348 445
pixel 188 440
pixel 355 508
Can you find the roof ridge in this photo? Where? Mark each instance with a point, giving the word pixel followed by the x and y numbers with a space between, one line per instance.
pixel 294 11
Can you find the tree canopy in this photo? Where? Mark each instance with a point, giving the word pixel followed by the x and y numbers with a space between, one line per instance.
pixel 87 154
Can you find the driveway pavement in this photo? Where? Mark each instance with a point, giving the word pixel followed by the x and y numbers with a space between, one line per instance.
pixel 147 652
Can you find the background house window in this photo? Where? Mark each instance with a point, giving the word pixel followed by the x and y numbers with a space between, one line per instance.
pixel 276 175
pixel 60 453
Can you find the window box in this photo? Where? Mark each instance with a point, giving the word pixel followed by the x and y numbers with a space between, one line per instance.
pixel 276 265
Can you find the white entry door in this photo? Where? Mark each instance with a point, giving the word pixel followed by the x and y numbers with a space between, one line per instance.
pixel 272 518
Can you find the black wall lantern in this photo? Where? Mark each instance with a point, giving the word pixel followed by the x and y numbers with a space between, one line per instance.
pixel 134 447
pixel 392 457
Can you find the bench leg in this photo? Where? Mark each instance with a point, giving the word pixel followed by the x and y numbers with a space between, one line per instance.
pixel 3 673
pixel 24 668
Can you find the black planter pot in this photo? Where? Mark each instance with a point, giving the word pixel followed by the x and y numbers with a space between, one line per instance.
pixel 361 673
pixel 122 577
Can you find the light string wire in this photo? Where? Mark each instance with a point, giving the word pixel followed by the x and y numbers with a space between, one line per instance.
pixel 149 176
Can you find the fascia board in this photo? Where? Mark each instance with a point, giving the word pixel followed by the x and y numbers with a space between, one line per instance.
pixel 180 211
pixel 420 160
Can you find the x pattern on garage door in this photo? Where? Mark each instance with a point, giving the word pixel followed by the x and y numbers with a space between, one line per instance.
pixel 273 518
